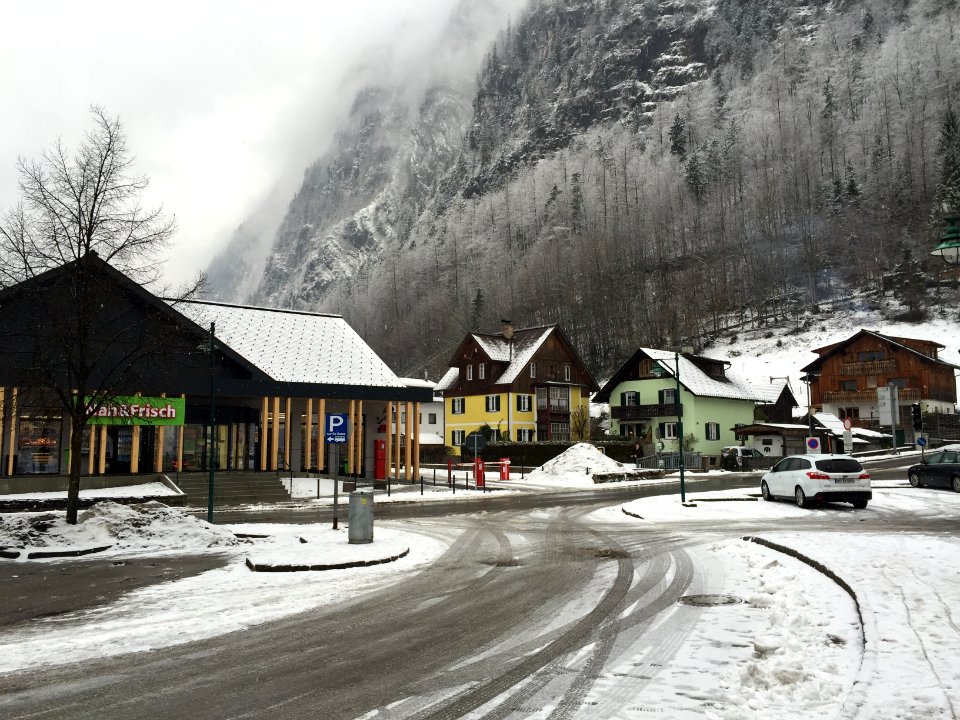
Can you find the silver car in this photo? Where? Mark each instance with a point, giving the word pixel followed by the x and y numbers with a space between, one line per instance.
pixel 818 478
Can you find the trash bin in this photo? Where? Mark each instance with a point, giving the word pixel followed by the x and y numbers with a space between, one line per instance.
pixel 360 519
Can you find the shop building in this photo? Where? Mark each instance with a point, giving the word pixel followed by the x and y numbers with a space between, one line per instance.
pixel 272 379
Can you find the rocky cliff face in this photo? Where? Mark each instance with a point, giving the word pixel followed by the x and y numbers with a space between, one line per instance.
pixel 640 171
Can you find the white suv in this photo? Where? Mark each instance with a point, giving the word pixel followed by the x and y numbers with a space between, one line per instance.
pixel 818 478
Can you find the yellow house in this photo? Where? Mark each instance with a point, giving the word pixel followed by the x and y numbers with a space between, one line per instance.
pixel 527 385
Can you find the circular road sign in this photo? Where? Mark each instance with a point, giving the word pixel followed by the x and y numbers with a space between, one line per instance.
pixel 847 423
pixel 813 443
pixel 921 441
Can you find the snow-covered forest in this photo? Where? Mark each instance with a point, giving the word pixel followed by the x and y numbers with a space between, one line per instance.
pixel 641 172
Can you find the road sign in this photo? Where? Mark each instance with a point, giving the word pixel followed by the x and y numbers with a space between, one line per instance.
pixel 474 442
pixel 335 428
pixel 922 441
pixel 813 444
pixel 847 424
pixel 888 405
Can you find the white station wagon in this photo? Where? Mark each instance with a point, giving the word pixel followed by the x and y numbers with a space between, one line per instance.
pixel 818 478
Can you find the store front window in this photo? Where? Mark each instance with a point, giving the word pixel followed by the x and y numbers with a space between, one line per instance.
pixel 38 449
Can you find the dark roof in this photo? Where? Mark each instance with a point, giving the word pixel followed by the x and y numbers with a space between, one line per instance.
pixel 829 351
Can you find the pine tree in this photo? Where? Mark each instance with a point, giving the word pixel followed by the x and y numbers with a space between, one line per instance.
pixel 948 147
pixel 678 137
pixel 476 309
pixel 696 179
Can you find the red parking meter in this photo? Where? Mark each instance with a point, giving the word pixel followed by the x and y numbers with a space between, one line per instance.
pixel 478 470
pixel 379 459
pixel 504 468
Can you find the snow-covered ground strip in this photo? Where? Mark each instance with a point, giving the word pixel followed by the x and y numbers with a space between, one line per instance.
pixel 318 545
pixel 746 504
pixel 321 493
pixel 791 649
pixel 218 601
pixel 143 490
pixel 908 587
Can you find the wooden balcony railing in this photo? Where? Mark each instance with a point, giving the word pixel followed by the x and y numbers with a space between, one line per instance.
pixel 856 397
pixel 644 412
pixel 869 367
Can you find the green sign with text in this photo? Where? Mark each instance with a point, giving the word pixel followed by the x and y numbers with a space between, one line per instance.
pixel 137 410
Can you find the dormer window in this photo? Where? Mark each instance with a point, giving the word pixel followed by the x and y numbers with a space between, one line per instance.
pixel 482 371
pixel 566 373
pixel 533 369
pixel 469 372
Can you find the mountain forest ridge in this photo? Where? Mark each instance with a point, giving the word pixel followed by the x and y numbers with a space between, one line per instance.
pixel 640 172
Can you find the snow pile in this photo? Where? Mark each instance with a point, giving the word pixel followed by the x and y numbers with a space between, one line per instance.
pixel 150 525
pixel 582 458
pixel 143 490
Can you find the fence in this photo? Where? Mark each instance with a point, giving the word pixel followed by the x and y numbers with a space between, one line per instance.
pixel 671 461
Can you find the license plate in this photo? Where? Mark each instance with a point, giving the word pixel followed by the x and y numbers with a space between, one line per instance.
pixel 843 480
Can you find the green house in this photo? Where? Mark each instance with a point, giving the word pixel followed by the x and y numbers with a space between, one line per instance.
pixel 713 401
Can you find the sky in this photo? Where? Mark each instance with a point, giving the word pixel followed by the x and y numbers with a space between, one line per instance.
pixel 224 103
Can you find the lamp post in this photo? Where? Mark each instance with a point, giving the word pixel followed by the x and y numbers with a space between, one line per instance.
pixel 676 362
pixel 949 247
pixel 213 426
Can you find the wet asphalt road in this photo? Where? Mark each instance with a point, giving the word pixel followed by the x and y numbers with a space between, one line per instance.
pixel 486 630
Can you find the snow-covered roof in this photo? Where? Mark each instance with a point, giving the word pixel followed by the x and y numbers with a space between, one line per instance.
pixel 496 347
pixel 418 382
pixel 701 384
pixel 525 346
pixel 293 346
pixel 769 392
pixel 835 426
pixel 448 379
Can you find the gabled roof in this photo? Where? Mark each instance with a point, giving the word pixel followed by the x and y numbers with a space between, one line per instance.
pixel 692 378
pixel 448 380
pixel 828 351
pixel 295 347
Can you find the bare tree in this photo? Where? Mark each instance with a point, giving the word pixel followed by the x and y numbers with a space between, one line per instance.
pixel 79 221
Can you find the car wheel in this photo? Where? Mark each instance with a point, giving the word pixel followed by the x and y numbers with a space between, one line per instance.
pixel 859 504
pixel 955 483
pixel 915 480
pixel 800 496
pixel 765 491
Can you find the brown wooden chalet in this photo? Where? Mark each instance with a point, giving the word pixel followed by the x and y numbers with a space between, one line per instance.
pixel 845 378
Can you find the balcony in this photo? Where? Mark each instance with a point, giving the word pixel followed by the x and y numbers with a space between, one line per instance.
pixel 869 367
pixel 857 397
pixel 644 412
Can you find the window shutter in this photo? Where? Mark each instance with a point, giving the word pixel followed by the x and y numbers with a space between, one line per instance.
pixel 660 394
pixel 623 398
pixel 661 430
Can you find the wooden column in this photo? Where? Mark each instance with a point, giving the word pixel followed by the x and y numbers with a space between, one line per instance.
pixel 180 430
pixel 396 445
pixel 360 444
pixel 264 432
pixel 416 441
pixel 408 445
pixel 351 437
pixel 389 414
pixel 159 436
pixel 308 435
pixel 13 430
pixel 92 449
pixel 321 445
pixel 102 465
pixel 288 433
pixel 275 434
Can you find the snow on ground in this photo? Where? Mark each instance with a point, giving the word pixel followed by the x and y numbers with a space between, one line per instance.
pixel 147 526
pixel 776 654
pixel 758 357
pixel 218 601
pixel 320 490
pixel 143 490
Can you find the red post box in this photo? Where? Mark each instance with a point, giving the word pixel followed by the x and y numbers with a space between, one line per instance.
pixel 379 459
pixel 478 470
pixel 449 471
pixel 504 468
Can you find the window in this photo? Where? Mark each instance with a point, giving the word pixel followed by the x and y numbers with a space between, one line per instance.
pixel 482 371
pixel 669 396
pixel 493 403
pixel 456 437
pixel 559 398
pixel 630 398
pixel 851 412
pixel 524 403
pixel 469 372
pixel 456 406
pixel 871 355
pixel 403 418
pixel 566 373
pixel 533 369
pixel 713 431
pixel 432 418
pixel 898 382
pixel 848 385
pixel 559 431
pixel 668 431
pixel 524 435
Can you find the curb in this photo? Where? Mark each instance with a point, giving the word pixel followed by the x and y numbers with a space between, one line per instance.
pixel 266 567
pixel 66 553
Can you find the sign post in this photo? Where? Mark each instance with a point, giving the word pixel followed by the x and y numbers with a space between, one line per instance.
pixel 335 433
pixel 847 435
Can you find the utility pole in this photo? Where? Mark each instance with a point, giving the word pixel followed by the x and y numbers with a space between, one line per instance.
pixel 676 361
pixel 213 426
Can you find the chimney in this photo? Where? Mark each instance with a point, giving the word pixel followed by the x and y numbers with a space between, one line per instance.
pixel 506 329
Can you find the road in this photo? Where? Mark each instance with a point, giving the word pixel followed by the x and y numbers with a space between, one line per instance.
pixel 529 606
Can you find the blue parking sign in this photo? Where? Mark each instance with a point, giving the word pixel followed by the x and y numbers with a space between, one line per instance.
pixel 335 428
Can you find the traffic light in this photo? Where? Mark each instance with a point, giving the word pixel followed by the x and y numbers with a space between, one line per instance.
pixel 917 413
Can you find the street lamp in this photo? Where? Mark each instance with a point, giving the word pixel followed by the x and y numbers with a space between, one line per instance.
pixel 949 247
